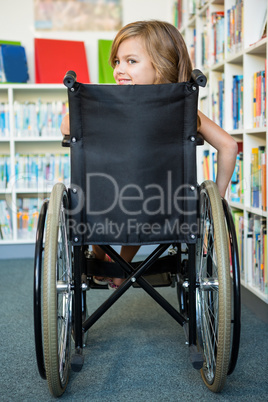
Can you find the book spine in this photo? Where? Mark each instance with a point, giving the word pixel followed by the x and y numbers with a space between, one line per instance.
pixel 39 118
pixel 39 171
pixel 27 216
pixel 6 232
pixel 235 27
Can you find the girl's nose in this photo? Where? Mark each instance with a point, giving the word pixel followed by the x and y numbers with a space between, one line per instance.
pixel 119 68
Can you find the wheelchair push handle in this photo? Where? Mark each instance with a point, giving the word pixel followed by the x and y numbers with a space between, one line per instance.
pixel 198 78
pixel 69 79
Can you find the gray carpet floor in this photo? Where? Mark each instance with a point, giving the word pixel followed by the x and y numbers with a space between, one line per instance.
pixel 135 352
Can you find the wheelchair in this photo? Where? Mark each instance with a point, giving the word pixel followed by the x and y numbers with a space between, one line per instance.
pixel 133 182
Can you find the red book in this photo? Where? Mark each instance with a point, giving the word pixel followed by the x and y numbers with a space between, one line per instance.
pixel 53 58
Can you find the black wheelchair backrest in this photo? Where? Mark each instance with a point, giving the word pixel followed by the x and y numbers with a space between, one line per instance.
pixel 133 163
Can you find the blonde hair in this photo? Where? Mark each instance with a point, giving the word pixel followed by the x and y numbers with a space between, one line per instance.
pixel 165 46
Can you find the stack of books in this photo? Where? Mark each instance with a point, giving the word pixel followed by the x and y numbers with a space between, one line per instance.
pixel 6 232
pixel 39 119
pixel 258 178
pixel 259 99
pixel 35 171
pixel 235 27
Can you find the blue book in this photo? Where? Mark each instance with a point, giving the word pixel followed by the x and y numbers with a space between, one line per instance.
pixel 14 63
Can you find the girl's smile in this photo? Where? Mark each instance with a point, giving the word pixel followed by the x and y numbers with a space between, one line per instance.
pixel 132 64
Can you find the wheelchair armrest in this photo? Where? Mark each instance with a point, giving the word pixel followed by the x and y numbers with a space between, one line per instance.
pixel 198 78
pixel 199 139
pixel 66 141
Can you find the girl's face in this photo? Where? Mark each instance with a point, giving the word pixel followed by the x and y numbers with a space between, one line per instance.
pixel 132 64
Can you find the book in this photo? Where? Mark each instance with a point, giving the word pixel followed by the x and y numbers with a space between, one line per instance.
pixel 53 58
pixel 217 99
pixel 259 99
pixel 27 216
pixel 236 185
pixel 2 72
pixel 238 218
pixel 4 171
pixel 6 232
pixel 258 230
pixel 105 70
pixel 217 36
pixel 258 178
pixel 235 27
pixel 237 101
pixel 13 63
pixel 263 181
pixel 254 175
pixel 4 120
pixel 205 163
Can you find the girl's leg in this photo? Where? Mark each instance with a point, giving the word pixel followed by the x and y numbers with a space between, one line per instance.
pixel 99 253
pixel 127 252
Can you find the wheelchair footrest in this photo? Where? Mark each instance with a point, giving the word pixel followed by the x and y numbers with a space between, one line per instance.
pixel 157 280
pixel 196 357
pixel 77 361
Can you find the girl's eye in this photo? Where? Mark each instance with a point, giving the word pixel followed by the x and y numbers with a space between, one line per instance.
pixel 131 61
pixel 116 62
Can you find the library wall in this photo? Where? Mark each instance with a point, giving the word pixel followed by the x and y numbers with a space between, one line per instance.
pixel 17 23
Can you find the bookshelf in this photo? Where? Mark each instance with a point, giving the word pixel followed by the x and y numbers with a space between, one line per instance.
pixel 31 157
pixel 236 75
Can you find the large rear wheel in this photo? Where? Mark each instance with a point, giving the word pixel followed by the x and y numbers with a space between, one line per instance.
pixel 213 293
pixel 57 293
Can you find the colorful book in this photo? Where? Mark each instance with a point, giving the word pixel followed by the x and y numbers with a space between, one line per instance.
pixel 205 163
pixel 259 99
pixel 53 58
pixel 39 171
pixel 6 232
pixel 27 216
pixel 235 27
pixel 238 218
pixel 255 185
pixel 237 101
pixel 14 63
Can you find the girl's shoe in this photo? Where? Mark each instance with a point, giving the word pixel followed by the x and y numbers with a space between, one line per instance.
pixel 112 286
pixel 100 281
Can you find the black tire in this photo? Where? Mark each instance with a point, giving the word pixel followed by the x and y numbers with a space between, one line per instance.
pixel 213 293
pixel 236 292
pixel 57 294
pixel 38 269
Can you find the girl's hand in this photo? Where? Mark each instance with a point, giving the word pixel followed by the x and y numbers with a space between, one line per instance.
pixel 65 125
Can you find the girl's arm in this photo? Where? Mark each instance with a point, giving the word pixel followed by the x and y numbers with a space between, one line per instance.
pixel 65 125
pixel 226 147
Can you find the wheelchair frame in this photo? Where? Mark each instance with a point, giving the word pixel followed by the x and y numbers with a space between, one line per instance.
pixel 206 294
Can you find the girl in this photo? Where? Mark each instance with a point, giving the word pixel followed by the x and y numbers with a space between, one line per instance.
pixel 154 52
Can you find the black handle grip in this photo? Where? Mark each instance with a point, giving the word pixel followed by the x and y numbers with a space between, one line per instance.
pixel 199 139
pixel 66 141
pixel 199 78
pixel 70 79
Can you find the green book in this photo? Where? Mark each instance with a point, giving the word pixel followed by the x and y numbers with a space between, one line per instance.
pixel 105 70
pixel 9 42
